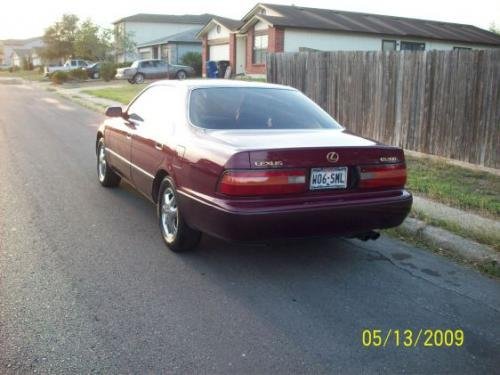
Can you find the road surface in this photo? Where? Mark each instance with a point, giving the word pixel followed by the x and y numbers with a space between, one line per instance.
pixel 87 286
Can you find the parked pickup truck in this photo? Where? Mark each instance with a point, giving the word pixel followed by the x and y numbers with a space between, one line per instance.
pixel 68 65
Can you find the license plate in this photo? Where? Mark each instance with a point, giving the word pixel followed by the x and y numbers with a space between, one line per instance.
pixel 328 178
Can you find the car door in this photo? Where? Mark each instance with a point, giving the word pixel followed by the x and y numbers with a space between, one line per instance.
pixel 151 140
pixel 147 69
pixel 119 137
pixel 162 69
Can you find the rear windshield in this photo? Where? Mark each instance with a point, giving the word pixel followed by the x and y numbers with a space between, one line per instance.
pixel 256 108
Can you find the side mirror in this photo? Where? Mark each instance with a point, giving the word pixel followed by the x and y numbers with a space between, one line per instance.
pixel 114 112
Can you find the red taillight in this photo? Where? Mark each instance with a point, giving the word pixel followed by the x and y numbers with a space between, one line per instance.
pixel 263 182
pixel 377 176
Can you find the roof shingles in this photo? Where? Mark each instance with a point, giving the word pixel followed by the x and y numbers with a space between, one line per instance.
pixel 334 20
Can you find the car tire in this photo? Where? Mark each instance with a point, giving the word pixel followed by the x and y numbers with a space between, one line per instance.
pixel 176 234
pixel 181 74
pixel 139 78
pixel 107 177
pixel 95 75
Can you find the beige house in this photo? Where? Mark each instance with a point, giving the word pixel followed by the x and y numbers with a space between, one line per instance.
pixel 8 46
pixel 146 28
pixel 287 28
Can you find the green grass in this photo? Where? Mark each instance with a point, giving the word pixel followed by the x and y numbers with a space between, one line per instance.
pixel 123 94
pixel 455 186
pixel 30 75
pixel 484 238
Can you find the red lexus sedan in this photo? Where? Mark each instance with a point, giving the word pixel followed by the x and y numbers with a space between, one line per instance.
pixel 249 161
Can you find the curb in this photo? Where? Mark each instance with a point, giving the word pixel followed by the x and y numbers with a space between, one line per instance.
pixel 450 242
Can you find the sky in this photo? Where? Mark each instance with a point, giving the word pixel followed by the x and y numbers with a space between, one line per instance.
pixel 24 19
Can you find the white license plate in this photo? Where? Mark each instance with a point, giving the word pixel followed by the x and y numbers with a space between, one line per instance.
pixel 328 178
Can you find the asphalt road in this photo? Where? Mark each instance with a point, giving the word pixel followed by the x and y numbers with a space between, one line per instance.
pixel 87 286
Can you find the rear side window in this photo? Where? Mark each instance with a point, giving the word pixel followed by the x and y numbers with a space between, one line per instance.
pixel 256 108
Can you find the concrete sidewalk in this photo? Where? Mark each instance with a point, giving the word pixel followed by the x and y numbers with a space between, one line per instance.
pixel 77 94
pixel 472 225
pixel 468 221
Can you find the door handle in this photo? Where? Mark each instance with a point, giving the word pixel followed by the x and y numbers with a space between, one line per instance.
pixel 158 146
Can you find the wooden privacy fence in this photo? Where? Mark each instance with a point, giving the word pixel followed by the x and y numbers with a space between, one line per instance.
pixel 444 103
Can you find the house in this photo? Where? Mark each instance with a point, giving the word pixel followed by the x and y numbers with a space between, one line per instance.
pixel 19 55
pixel 219 38
pixel 8 46
pixel 171 48
pixel 283 28
pixel 145 28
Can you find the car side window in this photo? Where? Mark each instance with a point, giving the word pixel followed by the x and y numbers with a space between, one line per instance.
pixel 138 109
pixel 155 107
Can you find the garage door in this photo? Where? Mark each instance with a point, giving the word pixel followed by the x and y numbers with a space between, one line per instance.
pixel 219 52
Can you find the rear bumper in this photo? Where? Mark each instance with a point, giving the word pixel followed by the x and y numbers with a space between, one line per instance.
pixel 326 218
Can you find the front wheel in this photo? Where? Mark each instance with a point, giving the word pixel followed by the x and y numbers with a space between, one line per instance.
pixel 95 75
pixel 181 74
pixel 178 236
pixel 107 177
pixel 139 78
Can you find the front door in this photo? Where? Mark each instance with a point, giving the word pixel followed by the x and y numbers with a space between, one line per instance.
pixel 118 139
pixel 150 140
pixel 241 45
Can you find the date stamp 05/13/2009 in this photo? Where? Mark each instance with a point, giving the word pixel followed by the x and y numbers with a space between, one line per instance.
pixel 411 338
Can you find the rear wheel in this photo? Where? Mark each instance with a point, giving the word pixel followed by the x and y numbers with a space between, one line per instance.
pixel 107 177
pixel 178 236
pixel 139 78
pixel 181 74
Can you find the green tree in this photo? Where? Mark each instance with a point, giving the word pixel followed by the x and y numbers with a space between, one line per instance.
pixel 192 59
pixel 123 41
pixel 59 38
pixel 91 41
pixel 494 29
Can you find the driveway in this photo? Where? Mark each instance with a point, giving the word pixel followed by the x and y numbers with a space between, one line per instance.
pixel 86 284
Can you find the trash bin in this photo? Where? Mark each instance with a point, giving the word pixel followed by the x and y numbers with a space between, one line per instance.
pixel 211 69
pixel 221 67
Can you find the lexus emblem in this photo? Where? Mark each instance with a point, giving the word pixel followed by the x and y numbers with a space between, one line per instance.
pixel 332 157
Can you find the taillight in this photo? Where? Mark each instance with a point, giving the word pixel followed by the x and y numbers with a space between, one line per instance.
pixel 377 176
pixel 263 182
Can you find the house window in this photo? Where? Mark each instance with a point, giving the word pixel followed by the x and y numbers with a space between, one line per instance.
pixel 388 45
pixel 259 49
pixel 412 46
pixel 218 29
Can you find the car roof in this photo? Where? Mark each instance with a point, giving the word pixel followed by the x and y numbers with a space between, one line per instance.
pixel 207 83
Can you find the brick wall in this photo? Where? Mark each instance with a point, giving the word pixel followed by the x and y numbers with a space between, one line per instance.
pixel 276 39
pixel 204 55
pixel 251 68
pixel 232 52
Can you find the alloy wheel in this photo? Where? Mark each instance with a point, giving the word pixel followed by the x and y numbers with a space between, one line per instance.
pixel 102 163
pixel 169 215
